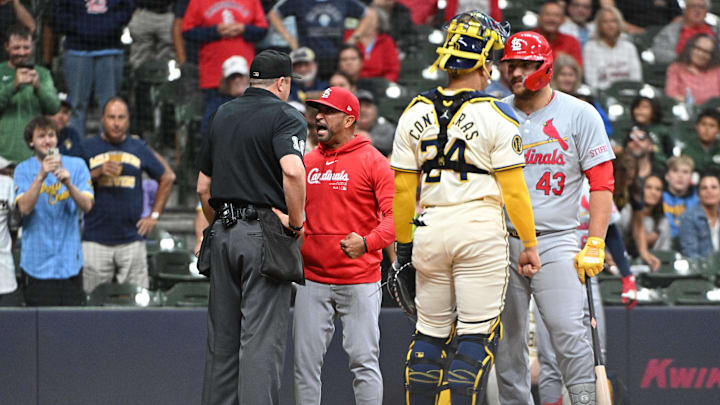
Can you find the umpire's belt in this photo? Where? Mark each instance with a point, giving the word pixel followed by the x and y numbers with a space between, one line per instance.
pixel 231 212
pixel 538 234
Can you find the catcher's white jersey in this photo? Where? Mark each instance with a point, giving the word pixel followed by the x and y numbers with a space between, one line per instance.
pixel 560 141
pixel 483 133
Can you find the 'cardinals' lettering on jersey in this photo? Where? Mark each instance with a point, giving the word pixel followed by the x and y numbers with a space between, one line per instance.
pixel 560 141
pixel 482 133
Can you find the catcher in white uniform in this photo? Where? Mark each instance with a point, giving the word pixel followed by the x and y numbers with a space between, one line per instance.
pixel 563 141
pixel 463 146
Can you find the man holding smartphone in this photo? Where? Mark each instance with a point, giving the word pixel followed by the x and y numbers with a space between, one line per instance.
pixel 52 192
pixel 26 91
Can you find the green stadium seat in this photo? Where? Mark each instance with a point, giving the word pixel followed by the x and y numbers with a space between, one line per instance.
pixel 610 291
pixel 152 71
pixel 668 273
pixel 655 73
pixel 172 267
pixel 713 103
pixel 123 295
pixel 693 292
pixel 188 295
pixel 624 91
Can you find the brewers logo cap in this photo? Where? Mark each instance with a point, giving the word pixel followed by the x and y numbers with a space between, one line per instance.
pixel 340 99
pixel 271 64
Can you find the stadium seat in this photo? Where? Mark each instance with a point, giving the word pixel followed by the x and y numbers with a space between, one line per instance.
pixel 188 295
pixel 693 292
pixel 624 91
pixel 172 267
pixel 123 295
pixel 655 73
pixel 669 272
pixel 713 103
pixel 610 290
pixel 152 71
pixel 666 256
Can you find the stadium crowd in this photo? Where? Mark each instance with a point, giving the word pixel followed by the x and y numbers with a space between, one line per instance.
pixel 652 70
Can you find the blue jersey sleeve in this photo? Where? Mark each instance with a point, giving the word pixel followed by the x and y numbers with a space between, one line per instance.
pixel 22 179
pixel 506 111
pixel 356 9
pixel 151 164
pixel 287 7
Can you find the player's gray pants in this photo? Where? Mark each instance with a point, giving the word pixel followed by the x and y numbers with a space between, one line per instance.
pixel 358 307
pixel 550 383
pixel 559 298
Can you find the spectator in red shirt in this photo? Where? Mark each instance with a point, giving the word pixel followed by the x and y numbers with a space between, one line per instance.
pixel 549 20
pixel 223 28
pixel 670 41
pixel 380 55
pixel 695 77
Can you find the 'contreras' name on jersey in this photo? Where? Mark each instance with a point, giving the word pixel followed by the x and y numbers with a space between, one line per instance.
pixel 315 177
pixel 427 121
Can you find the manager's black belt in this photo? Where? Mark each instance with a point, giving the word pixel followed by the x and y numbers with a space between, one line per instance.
pixel 538 234
pixel 230 213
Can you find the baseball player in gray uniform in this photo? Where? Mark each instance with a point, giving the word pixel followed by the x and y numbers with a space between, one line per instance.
pixel 563 141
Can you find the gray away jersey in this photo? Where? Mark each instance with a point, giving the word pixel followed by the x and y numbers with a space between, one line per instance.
pixel 560 141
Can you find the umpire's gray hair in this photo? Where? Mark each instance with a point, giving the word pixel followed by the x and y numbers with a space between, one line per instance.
pixel 264 83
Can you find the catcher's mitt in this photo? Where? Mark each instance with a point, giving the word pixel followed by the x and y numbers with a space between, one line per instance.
pixel 401 285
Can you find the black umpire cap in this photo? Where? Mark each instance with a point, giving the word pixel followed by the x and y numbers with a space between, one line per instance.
pixel 271 64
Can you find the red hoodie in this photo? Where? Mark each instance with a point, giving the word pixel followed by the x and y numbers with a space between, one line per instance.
pixel 349 189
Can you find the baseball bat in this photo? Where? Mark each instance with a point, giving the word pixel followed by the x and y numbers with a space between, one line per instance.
pixel 602 390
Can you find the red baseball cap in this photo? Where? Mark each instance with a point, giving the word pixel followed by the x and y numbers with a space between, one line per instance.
pixel 340 99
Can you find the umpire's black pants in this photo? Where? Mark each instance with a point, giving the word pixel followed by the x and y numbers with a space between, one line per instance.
pixel 248 318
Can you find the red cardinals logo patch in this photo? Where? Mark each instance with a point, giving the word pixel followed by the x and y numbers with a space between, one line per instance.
pixel 549 130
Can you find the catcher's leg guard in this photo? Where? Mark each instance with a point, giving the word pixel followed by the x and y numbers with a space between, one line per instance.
pixel 425 370
pixel 582 394
pixel 468 373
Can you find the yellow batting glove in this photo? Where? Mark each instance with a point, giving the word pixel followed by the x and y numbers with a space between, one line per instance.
pixel 590 260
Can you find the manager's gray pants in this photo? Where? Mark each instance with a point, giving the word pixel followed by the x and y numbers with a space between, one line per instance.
pixel 248 319
pixel 358 307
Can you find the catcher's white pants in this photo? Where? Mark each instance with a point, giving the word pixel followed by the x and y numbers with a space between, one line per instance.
pixel 461 258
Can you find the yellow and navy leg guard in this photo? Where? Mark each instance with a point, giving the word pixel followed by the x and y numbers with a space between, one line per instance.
pixel 468 372
pixel 425 369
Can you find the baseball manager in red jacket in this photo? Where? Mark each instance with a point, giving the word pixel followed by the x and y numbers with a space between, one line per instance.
pixel 349 221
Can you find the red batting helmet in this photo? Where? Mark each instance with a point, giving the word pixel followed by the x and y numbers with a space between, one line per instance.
pixel 529 45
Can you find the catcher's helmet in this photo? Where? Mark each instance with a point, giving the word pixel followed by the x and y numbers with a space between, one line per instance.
pixel 471 37
pixel 528 45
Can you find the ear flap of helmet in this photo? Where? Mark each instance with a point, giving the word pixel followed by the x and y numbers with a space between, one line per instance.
pixel 541 77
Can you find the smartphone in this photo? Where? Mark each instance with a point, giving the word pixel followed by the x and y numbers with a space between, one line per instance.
pixel 26 65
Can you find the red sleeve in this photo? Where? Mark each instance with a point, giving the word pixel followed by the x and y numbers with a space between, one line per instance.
pixel 601 177
pixel 193 16
pixel 392 64
pixel 259 21
pixel 496 11
pixel 384 183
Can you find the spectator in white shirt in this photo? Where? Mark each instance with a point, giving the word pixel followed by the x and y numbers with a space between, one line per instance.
pixel 608 56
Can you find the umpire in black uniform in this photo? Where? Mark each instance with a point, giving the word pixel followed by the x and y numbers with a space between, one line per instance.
pixel 252 188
